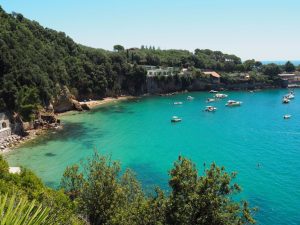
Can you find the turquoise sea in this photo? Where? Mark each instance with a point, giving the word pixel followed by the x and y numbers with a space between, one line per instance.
pixel 139 134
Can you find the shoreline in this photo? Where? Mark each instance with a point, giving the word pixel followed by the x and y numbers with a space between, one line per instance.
pixel 34 133
pixel 14 141
pixel 95 103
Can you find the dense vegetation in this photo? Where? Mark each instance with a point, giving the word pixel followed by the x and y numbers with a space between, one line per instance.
pixel 98 192
pixel 39 60
pixel 35 62
pixel 104 195
pixel 23 195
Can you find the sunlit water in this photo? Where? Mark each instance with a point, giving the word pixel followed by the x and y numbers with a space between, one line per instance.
pixel 141 136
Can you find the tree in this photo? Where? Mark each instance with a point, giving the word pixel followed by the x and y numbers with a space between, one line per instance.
pixel 3 167
pixel 28 102
pixel 72 181
pixel 249 64
pixel 289 67
pixel 23 212
pixel 107 197
pixel 103 193
pixel 119 48
pixel 271 69
pixel 204 199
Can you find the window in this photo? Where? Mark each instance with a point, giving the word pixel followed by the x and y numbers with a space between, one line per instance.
pixel 4 125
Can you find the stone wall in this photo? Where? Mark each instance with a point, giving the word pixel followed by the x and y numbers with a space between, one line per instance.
pixel 5 129
pixel 5 132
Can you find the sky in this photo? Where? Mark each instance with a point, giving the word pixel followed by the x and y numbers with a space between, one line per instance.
pixel 259 29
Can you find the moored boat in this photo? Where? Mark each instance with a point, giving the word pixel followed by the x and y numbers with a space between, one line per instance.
pixel 175 119
pixel 178 103
pixel 290 96
pixel 210 108
pixel 233 103
pixel 285 100
pixel 213 91
pixel 287 116
pixel 221 95
pixel 190 98
pixel 210 100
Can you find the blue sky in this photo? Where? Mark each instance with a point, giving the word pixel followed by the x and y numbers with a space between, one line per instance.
pixel 260 29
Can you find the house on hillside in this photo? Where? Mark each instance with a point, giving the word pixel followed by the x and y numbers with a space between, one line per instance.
pixel 290 79
pixel 214 76
pixel 149 67
pixel 5 129
pixel 185 72
pixel 244 77
pixel 162 71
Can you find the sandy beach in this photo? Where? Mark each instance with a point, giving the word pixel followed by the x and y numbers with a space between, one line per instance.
pixel 94 103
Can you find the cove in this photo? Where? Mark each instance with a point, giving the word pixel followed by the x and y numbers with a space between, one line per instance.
pixel 139 134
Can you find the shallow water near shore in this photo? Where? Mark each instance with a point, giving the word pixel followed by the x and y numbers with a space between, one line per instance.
pixel 139 134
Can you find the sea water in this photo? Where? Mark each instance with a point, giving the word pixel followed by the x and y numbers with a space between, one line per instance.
pixel 252 139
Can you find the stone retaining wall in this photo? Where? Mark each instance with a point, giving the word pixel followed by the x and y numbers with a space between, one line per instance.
pixel 4 133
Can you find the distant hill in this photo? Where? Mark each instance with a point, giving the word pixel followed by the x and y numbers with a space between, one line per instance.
pixel 36 62
pixel 281 62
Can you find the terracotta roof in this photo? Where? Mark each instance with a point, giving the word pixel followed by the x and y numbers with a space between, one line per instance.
pixel 213 73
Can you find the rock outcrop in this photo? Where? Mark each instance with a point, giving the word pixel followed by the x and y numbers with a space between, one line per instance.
pixel 66 102
pixel 85 106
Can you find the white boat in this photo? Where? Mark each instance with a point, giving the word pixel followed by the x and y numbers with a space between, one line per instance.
pixel 210 108
pixel 290 96
pixel 175 119
pixel 221 96
pixel 178 103
pixel 287 116
pixel 190 98
pixel 285 100
pixel 210 100
pixel 233 103
pixel 213 91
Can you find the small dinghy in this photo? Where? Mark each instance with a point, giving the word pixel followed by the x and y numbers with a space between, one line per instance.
pixel 233 103
pixel 211 100
pixel 175 119
pixel 213 91
pixel 210 109
pixel 221 96
pixel 190 98
pixel 287 116
pixel 178 103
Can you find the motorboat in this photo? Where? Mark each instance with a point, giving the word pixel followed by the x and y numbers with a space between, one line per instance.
pixel 175 119
pixel 210 108
pixel 285 100
pixel 178 103
pixel 213 91
pixel 221 96
pixel 287 116
pixel 290 96
pixel 233 103
pixel 210 100
pixel 190 98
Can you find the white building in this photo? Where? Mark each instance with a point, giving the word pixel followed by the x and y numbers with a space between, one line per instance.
pixel 5 129
pixel 167 71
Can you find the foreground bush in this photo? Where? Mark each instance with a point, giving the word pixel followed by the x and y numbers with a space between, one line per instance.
pixel 104 195
pixel 25 195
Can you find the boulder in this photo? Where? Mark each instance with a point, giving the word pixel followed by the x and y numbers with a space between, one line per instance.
pixel 85 106
pixel 65 101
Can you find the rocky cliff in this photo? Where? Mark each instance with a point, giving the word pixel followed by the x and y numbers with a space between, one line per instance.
pixel 65 101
